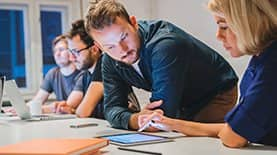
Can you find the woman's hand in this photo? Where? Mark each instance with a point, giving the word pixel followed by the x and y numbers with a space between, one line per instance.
pixel 154 121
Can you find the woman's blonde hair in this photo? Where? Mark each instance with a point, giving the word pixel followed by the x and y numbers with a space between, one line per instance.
pixel 253 21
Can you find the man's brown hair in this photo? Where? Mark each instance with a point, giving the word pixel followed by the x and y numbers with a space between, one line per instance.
pixel 78 28
pixel 58 39
pixel 104 14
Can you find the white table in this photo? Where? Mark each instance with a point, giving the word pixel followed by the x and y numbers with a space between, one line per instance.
pixel 14 131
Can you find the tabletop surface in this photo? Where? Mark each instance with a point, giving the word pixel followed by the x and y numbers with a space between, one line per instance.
pixel 13 130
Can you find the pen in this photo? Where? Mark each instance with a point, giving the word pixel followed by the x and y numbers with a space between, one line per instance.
pixel 147 123
pixel 83 125
pixel 139 151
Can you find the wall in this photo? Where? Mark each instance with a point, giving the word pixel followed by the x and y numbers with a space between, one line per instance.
pixel 142 9
pixel 195 18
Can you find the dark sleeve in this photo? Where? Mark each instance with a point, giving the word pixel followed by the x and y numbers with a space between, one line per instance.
pixel 254 117
pixel 97 74
pixel 47 83
pixel 79 83
pixel 168 73
pixel 115 96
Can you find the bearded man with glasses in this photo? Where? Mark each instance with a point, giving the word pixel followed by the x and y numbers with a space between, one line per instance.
pixel 86 100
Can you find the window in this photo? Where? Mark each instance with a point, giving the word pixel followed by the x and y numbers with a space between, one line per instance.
pixel 27 30
pixel 12 48
pixel 52 21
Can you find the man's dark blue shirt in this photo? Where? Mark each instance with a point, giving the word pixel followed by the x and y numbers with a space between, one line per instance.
pixel 177 68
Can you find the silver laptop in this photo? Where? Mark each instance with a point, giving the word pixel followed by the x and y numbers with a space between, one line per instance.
pixel 21 108
pixel 2 78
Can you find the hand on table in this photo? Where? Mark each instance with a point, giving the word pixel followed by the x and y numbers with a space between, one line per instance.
pixel 62 107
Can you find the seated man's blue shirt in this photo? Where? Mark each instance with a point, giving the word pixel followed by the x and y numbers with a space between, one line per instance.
pixel 60 84
pixel 254 118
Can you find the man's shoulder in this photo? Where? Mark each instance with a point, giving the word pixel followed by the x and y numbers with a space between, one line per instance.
pixel 86 76
pixel 154 22
pixel 78 74
pixel 49 78
pixel 156 33
pixel 53 71
pixel 157 26
pixel 107 60
pixel 107 63
pixel 111 66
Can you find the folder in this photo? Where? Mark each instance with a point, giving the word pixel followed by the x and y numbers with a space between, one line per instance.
pixel 55 147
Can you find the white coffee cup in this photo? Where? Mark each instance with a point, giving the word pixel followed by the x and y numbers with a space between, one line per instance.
pixel 35 107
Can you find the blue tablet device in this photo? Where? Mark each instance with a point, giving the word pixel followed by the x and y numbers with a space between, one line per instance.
pixel 130 139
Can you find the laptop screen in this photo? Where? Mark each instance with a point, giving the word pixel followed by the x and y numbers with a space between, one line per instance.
pixel 16 99
pixel 1 89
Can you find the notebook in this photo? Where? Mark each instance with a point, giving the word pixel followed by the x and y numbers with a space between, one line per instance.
pixel 55 147
pixel 22 109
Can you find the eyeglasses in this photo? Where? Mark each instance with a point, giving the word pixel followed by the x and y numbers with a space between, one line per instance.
pixel 76 52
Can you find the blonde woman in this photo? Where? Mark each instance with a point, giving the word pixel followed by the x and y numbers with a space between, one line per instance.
pixel 245 27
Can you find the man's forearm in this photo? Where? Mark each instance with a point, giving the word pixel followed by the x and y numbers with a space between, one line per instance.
pixel 118 117
pixel 133 121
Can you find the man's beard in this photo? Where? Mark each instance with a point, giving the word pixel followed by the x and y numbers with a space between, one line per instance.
pixel 64 64
pixel 87 63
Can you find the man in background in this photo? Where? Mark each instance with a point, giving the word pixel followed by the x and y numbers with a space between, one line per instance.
pixel 86 98
pixel 61 79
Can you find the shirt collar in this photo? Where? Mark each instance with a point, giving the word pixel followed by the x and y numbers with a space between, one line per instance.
pixel 92 68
